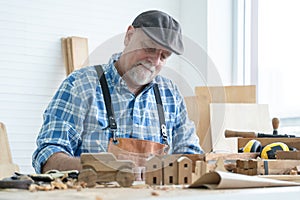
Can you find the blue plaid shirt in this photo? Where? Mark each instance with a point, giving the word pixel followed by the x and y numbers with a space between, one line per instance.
pixel 76 120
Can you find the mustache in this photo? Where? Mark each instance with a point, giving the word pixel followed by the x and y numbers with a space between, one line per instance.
pixel 147 65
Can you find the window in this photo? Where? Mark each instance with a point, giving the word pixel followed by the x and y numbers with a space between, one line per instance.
pixel 266 55
pixel 278 60
pixel 154 180
pixel 186 180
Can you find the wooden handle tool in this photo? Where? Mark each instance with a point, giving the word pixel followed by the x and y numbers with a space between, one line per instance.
pixel 230 133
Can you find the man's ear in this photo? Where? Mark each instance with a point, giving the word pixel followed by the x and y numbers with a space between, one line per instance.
pixel 129 33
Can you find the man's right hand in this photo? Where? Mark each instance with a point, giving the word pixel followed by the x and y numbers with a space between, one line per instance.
pixel 62 162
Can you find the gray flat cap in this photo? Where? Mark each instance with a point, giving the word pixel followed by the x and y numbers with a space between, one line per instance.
pixel 161 28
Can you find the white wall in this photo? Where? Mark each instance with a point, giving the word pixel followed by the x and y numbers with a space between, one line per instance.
pixel 31 64
pixel 220 40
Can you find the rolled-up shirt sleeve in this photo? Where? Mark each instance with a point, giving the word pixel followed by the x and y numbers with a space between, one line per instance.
pixel 62 126
pixel 185 139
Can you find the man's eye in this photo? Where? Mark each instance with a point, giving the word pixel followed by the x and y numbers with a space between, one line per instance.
pixel 150 50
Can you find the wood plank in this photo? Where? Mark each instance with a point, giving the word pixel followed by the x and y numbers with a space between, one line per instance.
pixel 65 54
pixel 292 155
pixel 193 109
pixel 226 94
pixel 69 56
pixel 79 48
pixel 230 156
pixel 267 167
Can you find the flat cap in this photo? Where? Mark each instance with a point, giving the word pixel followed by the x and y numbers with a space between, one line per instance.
pixel 161 28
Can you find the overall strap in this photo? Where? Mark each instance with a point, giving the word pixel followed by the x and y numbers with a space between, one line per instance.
pixel 161 115
pixel 110 110
pixel 107 99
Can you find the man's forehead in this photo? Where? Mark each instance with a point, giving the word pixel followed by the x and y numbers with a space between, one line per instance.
pixel 151 44
pixel 147 42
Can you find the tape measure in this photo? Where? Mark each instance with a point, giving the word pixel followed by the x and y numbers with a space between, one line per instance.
pixel 269 151
pixel 252 146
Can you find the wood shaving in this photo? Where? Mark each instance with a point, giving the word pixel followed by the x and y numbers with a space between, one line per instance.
pixel 154 193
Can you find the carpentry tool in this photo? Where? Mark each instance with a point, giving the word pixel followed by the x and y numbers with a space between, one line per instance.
pixel 23 181
pixel 19 182
pixel 269 151
pixel 245 134
pixel 51 175
pixel 251 147
pixel 275 124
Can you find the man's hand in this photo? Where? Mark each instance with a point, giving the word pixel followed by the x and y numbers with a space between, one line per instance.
pixel 62 162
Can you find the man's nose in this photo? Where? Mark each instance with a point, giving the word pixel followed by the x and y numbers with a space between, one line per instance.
pixel 155 57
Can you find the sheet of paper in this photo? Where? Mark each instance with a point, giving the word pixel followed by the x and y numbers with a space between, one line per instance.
pixel 236 116
pixel 229 180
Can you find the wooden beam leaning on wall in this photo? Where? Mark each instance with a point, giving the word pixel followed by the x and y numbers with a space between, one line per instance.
pixel 75 53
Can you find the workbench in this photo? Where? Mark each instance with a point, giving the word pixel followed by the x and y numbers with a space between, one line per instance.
pixel 272 193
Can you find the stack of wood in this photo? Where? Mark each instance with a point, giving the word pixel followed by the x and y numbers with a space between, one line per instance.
pixel 75 53
pixel 266 167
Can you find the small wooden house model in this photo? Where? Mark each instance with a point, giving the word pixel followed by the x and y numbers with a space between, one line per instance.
pixel 168 170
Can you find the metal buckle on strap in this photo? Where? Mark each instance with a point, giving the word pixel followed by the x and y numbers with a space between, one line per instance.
pixel 113 129
pixel 164 133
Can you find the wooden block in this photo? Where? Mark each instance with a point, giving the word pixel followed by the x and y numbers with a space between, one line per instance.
pixel 247 164
pixel 242 164
pixel 252 164
pixel 200 169
pixel 227 94
pixel 292 155
pixel 170 169
pixel 184 170
pixel 194 158
pixel 153 172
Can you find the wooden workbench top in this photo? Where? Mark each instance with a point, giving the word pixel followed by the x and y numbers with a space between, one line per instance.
pixel 152 193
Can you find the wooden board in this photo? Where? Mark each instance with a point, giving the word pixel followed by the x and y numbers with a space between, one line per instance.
pixel 230 156
pixel 193 109
pixel 292 155
pixel 226 94
pixel 236 116
pixel 79 52
pixel 75 53
pixel 65 54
